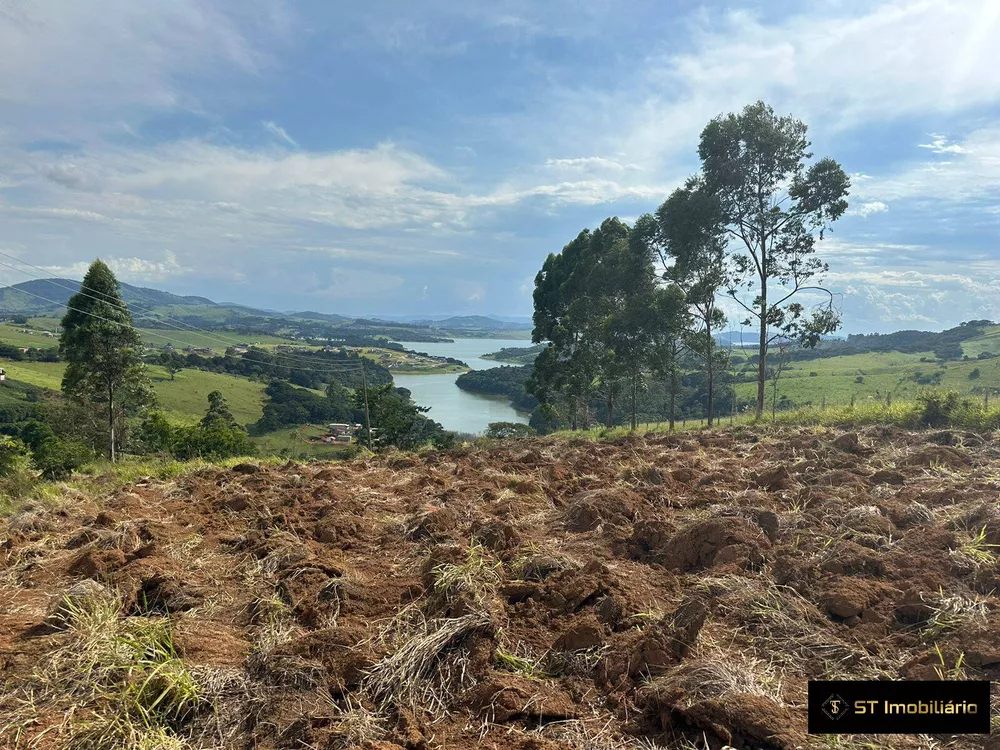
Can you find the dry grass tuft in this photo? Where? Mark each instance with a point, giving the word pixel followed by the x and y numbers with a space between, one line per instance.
pixel 716 673
pixel 951 612
pixel 356 726
pixel 427 665
pixel 474 580
pixel 779 621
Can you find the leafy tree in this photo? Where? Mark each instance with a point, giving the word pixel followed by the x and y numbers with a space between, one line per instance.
pixel 103 350
pixel 213 442
pixel 693 237
pixel 564 372
pixel 218 412
pixel 398 422
pixel 670 340
pixel 171 361
pixel 771 206
pixel 35 432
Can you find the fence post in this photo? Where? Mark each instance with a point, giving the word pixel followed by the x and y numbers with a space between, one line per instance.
pixel 986 400
pixel 824 402
pixel 852 400
pixel 888 400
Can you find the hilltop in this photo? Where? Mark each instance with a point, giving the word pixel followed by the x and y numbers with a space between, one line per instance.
pixel 46 297
pixel 667 591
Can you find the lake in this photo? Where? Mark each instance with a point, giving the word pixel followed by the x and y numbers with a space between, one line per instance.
pixel 454 408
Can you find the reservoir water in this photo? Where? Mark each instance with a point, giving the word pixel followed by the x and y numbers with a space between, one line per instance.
pixel 454 408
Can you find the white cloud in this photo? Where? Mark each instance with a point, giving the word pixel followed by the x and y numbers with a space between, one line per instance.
pixel 591 162
pixel 129 269
pixel 869 208
pixel 354 284
pixel 279 132
pixel 831 66
pixel 69 62
pixel 939 145
pixel 971 173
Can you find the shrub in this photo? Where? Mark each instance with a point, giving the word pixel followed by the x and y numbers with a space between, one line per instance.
pixel 814 374
pixel 974 375
pixel 57 458
pixel 11 450
pixel 35 432
pixel 937 408
pixel 859 379
pixel 507 430
pixel 213 442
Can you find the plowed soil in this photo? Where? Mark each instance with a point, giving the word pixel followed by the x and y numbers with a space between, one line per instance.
pixel 658 591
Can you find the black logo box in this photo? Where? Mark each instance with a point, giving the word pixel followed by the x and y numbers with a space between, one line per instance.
pixel 899 707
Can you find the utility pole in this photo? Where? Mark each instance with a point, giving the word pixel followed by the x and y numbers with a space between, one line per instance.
pixel 368 422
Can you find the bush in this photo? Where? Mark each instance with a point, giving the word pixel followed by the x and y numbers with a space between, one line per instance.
pixel 938 408
pixel 58 459
pixel 508 430
pixel 974 375
pixel 859 379
pixel 156 435
pixel 213 442
pixel 814 374
pixel 11 450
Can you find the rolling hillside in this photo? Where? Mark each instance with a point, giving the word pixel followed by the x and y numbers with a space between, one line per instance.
pixel 185 398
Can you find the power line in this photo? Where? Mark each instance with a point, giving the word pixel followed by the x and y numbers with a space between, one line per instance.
pixel 164 319
pixel 121 305
pixel 352 366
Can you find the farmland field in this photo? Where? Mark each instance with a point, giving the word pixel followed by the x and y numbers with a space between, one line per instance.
pixel 703 578
pixel 874 375
pixel 185 398
pixel 216 340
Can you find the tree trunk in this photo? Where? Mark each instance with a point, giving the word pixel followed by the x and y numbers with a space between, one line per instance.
pixel 111 422
pixel 673 396
pixel 611 404
pixel 762 364
pixel 635 387
pixel 710 366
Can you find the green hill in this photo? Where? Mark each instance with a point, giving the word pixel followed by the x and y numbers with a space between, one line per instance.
pixel 184 398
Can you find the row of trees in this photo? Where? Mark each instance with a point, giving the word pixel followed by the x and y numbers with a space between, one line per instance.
pixel 621 304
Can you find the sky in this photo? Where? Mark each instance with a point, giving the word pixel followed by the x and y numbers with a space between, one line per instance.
pixel 396 157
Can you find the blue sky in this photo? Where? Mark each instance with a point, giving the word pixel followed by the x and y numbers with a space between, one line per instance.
pixel 397 157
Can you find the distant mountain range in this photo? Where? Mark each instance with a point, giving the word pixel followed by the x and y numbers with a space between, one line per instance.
pixel 46 297
pixel 477 323
pixel 49 296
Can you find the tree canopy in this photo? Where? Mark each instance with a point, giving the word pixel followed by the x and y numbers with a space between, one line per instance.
pixel 103 353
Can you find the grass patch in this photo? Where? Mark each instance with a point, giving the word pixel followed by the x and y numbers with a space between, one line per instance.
pixel 474 579
pixel 117 679
pixel 185 398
